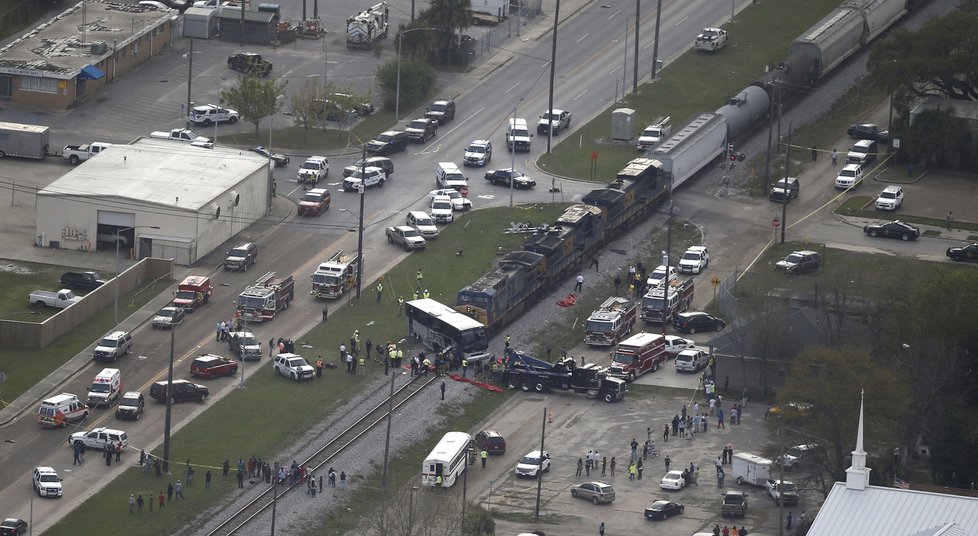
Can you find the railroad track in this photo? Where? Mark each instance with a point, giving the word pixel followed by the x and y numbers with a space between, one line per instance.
pixel 346 438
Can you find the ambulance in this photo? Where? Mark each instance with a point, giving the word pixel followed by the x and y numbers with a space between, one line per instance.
pixel 60 410
pixel 106 388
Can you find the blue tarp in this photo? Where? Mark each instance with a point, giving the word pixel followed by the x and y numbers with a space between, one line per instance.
pixel 91 72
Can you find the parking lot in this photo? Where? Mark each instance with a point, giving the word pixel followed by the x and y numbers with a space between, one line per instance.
pixel 580 424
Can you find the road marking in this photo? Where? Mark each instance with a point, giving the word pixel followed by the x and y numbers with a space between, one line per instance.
pixel 583 37
pixel 614 71
pixel 613 15
pixel 486 196
pixel 579 96
pixel 545 64
pixel 513 87
pixel 682 20
pixel 646 47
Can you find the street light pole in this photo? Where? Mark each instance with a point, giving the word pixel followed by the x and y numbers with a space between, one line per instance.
pixel 363 178
pixel 169 406
pixel 397 91
pixel 655 46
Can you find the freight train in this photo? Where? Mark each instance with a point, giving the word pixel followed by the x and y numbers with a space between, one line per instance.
pixel 546 258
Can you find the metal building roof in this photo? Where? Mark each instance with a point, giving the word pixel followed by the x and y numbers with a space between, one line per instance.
pixel 82 35
pixel 160 172
pixel 894 512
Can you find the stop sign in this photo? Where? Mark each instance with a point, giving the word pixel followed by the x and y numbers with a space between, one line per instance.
pixel 776 222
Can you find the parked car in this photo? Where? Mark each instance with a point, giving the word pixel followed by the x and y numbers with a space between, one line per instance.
pixel 673 480
pixel 532 463
pixel 442 110
pixel 82 280
pixel 381 162
pixel 211 366
pixel 676 344
pixel 131 406
pixel 46 482
pixel 891 198
pixel 280 160
pixel 596 492
pixel 849 177
pixel 13 527
pixel 441 209
pixel 241 257
pixel 503 177
pixel 113 346
pixel 786 189
pixel 868 131
pixel 662 510
pixel 691 322
pixel 893 229
pixel 406 237
pixel 313 170
pixel 490 441
pixel 421 130
pixel 478 153
pixel 293 366
pixel 694 260
pixel 459 202
pixel 210 114
pixel 799 262
pixel 963 253
pixel 168 317
pixel 314 202
pixel 660 274
pixel 734 504
pixel 179 391
pixel 691 360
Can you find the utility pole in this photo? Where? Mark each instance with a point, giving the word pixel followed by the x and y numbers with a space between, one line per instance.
pixel 543 434
pixel 784 204
pixel 190 78
pixel 363 176
pixel 770 132
pixel 169 407
pixel 553 67
pixel 638 19
pixel 655 46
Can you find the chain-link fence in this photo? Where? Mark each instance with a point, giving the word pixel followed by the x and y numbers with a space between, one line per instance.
pixel 519 18
pixel 724 298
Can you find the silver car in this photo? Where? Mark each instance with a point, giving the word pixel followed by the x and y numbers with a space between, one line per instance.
pixel 596 492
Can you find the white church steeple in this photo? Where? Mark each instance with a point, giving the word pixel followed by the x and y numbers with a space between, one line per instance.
pixel 857 476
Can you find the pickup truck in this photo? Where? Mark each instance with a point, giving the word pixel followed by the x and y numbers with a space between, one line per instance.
pixel 556 120
pixel 60 299
pixel 711 39
pixel 734 504
pixel 653 134
pixel 406 237
pixel 86 280
pixel 782 492
pixel 184 135
pixel 76 154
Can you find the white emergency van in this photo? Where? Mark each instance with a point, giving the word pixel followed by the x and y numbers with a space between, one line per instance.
pixel 59 410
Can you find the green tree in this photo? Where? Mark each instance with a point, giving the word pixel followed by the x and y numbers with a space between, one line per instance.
pixel 449 15
pixel 831 380
pixel 941 58
pixel 255 99
pixel 938 139
pixel 417 80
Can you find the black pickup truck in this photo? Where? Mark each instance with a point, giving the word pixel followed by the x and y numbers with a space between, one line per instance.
pixel 85 280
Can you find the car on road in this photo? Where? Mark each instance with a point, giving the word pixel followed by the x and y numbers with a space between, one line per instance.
pixel 211 366
pixel 423 223
pixel 663 510
pixel 293 366
pixel 99 438
pixel 491 441
pixel 244 345
pixel 313 170
pixel 421 130
pixel 113 346
pixel 210 114
pixel 387 143
pixel 280 160
pixel 596 492
pixel 867 131
pixel 676 344
pixel 711 39
pixel 532 463
pixel 673 480
pixel 503 176
pixel 734 504
pixel 314 202
pixel 555 120
pixel 849 177
pixel 441 209
pixel 131 406
pixel 799 262
pixel 478 153
pixel 893 229
pixel 691 322
pixel 406 237
pixel 46 482
pixel 963 253
pixel 695 260
pixel 168 317
pixel 371 176
pixel 786 189
pixel 381 162
pixel 249 63
pixel 13 527
pixel 801 455
pixel 442 111
pixel 891 198
pixel 179 391
pixel 458 201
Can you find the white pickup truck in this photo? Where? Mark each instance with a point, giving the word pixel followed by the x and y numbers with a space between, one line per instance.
pixel 711 39
pixel 76 154
pixel 60 299
pixel 184 135
pixel 782 492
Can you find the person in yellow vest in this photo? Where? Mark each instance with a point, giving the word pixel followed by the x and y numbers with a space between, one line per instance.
pixel 400 356
pixel 380 291
pixel 400 305
pixel 362 363
pixel 416 294
pixel 426 294
pixel 420 277
pixel 355 339
pixel 438 481
pixel 465 367
pixel 484 455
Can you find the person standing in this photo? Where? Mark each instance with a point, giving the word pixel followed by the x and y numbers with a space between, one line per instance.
pixel 220 326
pixel 667 461
pixel 604 465
pixel 580 284
pixel 319 367
pixel 325 312
pixel 617 283
pixel 443 389
pixel 594 262
pixel 465 366
pixel 271 347
pixel 207 480
pixel 420 279
pixel 612 465
pixel 580 466
pixel 179 489
pixel 485 456
pixel 814 153
pixel 835 156
pixel 400 305
pixel 225 468
pixel 639 467
pixel 162 501
pixel 380 290
pixel 788 526
pixel 601 529
pixel 743 529
pixel 132 503
pixel 719 462
pixel 950 218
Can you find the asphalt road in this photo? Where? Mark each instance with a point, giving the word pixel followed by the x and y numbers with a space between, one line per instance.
pixel 151 99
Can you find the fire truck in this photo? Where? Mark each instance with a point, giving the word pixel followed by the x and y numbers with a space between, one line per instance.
pixel 531 374
pixel 266 298
pixel 667 299
pixel 610 322
pixel 335 276
pixel 193 293
pixel 636 355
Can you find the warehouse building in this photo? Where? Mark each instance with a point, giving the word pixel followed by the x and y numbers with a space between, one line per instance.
pixel 157 198
pixel 68 58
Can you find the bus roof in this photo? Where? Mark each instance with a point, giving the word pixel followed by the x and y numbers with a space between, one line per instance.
pixel 443 312
pixel 449 446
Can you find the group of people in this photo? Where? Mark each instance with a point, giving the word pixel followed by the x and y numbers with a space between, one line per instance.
pixel 727 531
pixel 224 329
pixel 283 346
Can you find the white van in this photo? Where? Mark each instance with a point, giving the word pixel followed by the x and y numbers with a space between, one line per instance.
pixel 448 175
pixel 106 388
pixel 59 410
pixel 518 135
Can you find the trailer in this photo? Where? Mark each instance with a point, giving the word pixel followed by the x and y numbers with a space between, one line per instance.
pixel 531 374
pixel 267 297
pixel 24 141
pixel 692 147
pixel 662 302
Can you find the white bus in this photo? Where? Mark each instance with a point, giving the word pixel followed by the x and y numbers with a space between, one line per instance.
pixel 448 460
pixel 438 327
